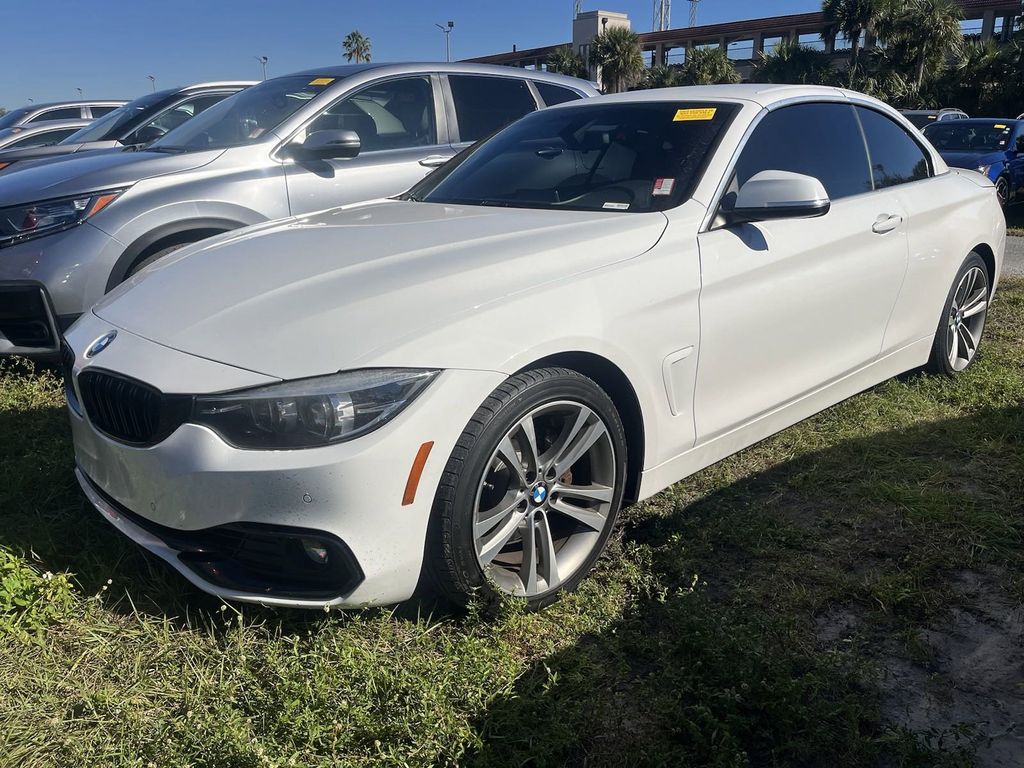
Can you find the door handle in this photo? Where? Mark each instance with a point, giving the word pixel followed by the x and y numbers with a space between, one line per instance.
pixel 886 223
pixel 433 161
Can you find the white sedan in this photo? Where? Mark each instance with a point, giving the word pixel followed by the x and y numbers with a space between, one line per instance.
pixel 465 384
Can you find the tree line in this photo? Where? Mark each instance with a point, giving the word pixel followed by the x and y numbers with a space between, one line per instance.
pixel 920 60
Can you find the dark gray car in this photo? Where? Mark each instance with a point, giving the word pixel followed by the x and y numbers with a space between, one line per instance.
pixel 72 230
pixel 135 124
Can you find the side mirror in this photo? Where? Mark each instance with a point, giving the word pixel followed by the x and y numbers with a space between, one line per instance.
pixel 324 145
pixel 780 195
pixel 146 135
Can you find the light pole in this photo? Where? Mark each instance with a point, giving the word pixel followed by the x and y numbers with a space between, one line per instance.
pixel 447 38
pixel 152 81
pixel 263 60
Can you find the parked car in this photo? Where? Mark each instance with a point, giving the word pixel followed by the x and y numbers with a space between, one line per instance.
pixel 24 137
pixel 70 231
pixel 921 118
pixel 57 110
pixel 470 379
pixel 991 147
pixel 136 124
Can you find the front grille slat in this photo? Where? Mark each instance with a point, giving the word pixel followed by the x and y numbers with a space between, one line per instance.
pixel 126 409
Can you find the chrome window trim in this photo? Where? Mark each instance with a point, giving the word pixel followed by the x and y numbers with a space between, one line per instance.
pixel 854 100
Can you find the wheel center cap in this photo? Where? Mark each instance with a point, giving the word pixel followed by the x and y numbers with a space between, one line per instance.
pixel 539 494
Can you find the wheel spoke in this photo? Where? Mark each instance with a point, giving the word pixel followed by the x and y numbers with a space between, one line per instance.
pixel 493 546
pixel 976 303
pixel 528 569
pixel 968 341
pixel 507 506
pixel 548 560
pixel 954 347
pixel 574 450
pixel 588 517
pixel 594 492
pixel 529 446
pixel 507 451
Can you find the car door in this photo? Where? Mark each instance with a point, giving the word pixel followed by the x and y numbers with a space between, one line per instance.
pixel 402 139
pixel 789 305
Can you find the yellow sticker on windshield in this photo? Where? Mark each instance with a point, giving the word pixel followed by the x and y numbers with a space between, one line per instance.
pixel 694 114
pixel 999 126
pixel 322 81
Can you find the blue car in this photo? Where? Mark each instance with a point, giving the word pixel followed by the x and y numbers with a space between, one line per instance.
pixel 992 147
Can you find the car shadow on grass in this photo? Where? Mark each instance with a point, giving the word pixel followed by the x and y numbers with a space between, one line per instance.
pixel 858 605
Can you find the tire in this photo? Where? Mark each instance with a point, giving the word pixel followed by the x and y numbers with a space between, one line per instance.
pixel 1003 192
pixel 145 261
pixel 482 496
pixel 962 322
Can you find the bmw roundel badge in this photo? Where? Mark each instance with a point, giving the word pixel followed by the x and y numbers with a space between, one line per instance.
pixel 100 344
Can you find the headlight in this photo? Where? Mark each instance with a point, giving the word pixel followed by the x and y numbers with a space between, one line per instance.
pixel 24 222
pixel 984 169
pixel 311 412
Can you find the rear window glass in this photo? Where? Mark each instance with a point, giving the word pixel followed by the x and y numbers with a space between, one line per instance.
pixel 556 94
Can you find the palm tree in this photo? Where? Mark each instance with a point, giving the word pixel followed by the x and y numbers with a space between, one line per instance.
pixel 925 32
pixel 793 63
pixel 357 46
pixel 708 66
pixel 852 19
pixel 617 52
pixel 661 76
pixel 565 61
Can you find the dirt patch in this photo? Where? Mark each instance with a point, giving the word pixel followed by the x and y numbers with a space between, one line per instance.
pixel 972 682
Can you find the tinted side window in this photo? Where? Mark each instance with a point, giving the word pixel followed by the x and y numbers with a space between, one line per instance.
pixel 819 140
pixel 68 113
pixel 895 157
pixel 556 94
pixel 42 139
pixel 393 114
pixel 101 111
pixel 485 104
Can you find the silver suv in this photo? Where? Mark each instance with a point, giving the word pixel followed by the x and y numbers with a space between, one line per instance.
pixel 137 123
pixel 72 230
pixel 57 110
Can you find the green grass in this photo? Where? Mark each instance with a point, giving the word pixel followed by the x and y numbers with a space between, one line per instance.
pixel 707 636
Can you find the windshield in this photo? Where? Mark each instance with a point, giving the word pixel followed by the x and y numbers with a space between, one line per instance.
pixel 11 118
pixel 246 117
pixel 116 124
pixel 961 136
pixel 644 156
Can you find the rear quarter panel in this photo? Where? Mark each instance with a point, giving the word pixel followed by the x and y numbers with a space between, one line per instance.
pixel 948 216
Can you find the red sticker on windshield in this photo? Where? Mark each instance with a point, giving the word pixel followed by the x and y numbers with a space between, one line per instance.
pixel 663 187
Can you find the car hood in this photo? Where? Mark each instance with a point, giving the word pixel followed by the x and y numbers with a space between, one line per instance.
pixel 91 171
pixel 972 159
pixel 308 296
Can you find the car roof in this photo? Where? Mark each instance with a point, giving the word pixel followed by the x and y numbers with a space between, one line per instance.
pixel 81 103
pixel 397 68
pixel 765 95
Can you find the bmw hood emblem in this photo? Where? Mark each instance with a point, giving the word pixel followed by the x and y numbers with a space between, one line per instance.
pixel 100 344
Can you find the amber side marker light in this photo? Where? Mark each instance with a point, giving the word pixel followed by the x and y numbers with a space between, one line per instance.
pixel 102 202
pixel 414 474
pixel 3 165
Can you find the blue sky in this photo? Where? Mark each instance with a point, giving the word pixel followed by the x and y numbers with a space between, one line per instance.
pixel 107 47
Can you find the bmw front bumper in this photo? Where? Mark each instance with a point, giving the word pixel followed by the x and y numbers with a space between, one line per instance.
pixel 228 519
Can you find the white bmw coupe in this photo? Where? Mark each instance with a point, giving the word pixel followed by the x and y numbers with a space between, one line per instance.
pixel 465 384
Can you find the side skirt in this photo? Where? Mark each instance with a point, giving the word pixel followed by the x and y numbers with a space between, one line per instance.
pixel 704 455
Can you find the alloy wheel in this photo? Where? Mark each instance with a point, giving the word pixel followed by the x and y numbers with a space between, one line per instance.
pixel 966 319
pixel 545 498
